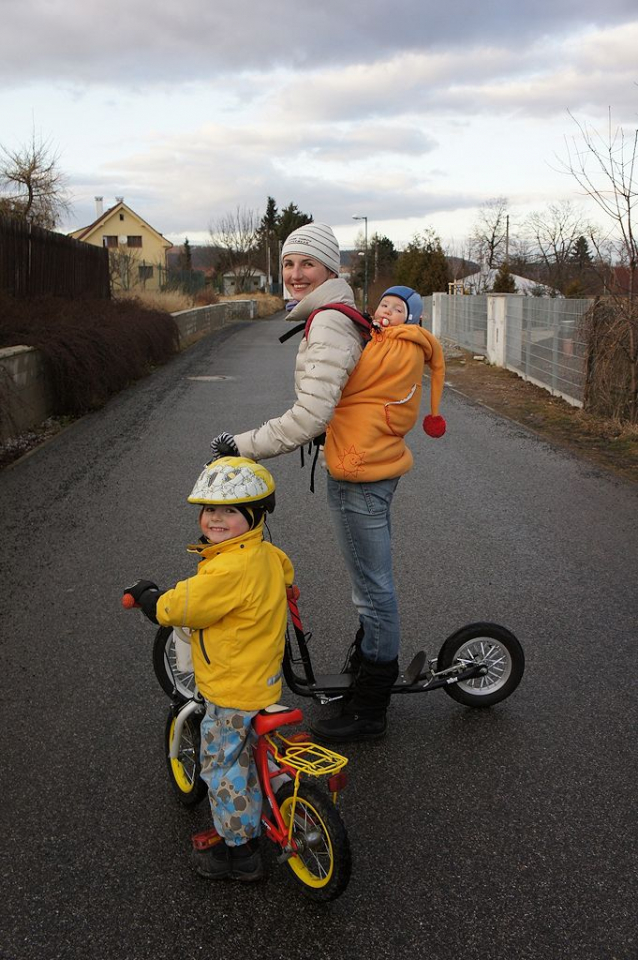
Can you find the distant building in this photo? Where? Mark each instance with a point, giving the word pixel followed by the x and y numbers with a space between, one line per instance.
pixel 245 280
pixel 483 281
pixel 137 251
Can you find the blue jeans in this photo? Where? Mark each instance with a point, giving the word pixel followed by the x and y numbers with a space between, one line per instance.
pixel 361 517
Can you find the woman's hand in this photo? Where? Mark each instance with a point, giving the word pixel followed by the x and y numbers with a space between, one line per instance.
pixel 224 446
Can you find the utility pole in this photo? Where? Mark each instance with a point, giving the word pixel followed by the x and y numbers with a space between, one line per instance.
pixel 365 262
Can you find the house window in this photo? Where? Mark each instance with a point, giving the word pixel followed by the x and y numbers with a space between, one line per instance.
pixel 134 241
pixel 109 241
pixel 121 216
pixel 146 272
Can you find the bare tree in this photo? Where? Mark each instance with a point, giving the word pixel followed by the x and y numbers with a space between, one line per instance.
pixel 553 234
pixel 32 187
pixel 604 166
pixel 490 235
pixel 237 234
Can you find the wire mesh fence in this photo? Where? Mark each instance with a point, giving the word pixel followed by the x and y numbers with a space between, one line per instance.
pixel 544 336
pixel 544 343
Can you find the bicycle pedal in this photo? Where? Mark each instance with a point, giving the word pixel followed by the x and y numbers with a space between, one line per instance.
pixel 205 839
pixel 415 668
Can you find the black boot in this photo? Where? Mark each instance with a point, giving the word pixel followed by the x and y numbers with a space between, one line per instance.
pixel 245 861
pixel 213 863
pixel 353 662
pixel 364 718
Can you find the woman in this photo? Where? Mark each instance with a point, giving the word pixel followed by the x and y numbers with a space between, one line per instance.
pixel 360 511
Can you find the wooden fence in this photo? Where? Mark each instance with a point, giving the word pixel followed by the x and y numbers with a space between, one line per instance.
pixel 36 262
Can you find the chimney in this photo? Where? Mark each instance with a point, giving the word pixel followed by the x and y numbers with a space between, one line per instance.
pixel 99 206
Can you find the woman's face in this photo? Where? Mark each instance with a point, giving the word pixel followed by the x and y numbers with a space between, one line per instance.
pixel 302 274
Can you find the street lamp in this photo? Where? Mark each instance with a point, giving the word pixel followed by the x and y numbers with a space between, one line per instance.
pixel 365 262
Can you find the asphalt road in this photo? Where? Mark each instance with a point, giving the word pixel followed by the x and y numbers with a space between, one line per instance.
pixel 507 833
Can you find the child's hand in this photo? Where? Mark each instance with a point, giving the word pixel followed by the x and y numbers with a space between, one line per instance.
pixel 139 587
pixel 146 594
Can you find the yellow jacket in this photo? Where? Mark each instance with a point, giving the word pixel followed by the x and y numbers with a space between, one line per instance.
pixel 380 404
pixel 236 607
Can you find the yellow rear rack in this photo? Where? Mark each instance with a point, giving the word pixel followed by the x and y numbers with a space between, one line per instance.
pixel 306 756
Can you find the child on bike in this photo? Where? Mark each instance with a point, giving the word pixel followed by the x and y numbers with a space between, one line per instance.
pixel 236 608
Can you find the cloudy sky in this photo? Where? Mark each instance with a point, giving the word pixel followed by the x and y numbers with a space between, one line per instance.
pixel 410 112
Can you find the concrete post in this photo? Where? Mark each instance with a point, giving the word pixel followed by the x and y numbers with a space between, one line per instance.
pixel 496 329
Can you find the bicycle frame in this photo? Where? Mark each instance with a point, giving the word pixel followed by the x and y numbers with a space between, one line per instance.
pixel 271 765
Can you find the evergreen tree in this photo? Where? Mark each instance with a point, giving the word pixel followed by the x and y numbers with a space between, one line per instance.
pixel 423 265
pixel 186 257
pixel 504 281
pixel 580 254
pixel 267 239
pixel 290 218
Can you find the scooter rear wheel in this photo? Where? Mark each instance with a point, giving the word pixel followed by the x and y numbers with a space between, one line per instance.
pixel 492 645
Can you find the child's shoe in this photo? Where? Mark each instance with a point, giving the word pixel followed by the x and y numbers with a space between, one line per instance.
pixel 245 861
pixel 214 862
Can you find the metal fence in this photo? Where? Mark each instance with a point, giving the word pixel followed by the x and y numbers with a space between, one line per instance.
pixel 463 321
pixel 36 262
pixel 543 343
pixel 542 335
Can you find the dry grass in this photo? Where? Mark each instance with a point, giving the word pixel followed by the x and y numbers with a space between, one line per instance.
pixel 605 441
pixel 267 303
pixel 170 301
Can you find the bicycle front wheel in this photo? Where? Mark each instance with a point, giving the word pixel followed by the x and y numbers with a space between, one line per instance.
pixel 322 864
pixel 175 683
pixel 184 771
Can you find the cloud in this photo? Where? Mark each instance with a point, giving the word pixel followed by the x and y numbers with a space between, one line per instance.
pixel 89 41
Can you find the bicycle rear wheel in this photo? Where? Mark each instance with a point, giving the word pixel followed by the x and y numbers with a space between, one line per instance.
pixel 184 771
pixel 322 864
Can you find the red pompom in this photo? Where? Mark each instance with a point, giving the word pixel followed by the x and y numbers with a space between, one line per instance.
pixel 434 426
pixel 128 601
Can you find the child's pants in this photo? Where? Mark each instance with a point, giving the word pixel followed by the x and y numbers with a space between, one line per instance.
pixel 229 770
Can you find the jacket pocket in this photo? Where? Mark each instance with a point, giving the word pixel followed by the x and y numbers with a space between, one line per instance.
pixel 401 415
pixel 202 646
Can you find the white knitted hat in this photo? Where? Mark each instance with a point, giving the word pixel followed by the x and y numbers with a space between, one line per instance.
pixel 316 240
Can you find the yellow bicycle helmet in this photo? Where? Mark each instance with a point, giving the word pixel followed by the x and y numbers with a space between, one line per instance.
pixel 237 482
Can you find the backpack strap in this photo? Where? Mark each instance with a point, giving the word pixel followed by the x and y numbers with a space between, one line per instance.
pixel 362 321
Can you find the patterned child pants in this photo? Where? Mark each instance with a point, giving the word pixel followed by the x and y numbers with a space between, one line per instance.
pixel 228 768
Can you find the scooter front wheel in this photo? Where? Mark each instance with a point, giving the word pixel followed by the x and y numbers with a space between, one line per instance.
pixel 322 863
pixel 185 769
pixel 496 649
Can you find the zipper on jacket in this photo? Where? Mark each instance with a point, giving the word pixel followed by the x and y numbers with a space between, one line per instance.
pixel 202 647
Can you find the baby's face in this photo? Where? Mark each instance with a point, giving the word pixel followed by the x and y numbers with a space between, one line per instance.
pixel 391 311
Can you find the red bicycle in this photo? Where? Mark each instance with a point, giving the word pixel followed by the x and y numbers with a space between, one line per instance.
pixel 298 817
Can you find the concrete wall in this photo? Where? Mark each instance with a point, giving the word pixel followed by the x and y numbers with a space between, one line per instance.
pixel 24 392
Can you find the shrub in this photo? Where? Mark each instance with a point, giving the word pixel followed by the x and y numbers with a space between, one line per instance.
pixel 91 348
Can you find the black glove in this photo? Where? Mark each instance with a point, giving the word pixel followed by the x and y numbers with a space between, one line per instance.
pixel 146 594
pixel 224 446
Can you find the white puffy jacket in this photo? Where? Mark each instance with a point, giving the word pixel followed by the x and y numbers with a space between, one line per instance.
pixel 324 362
